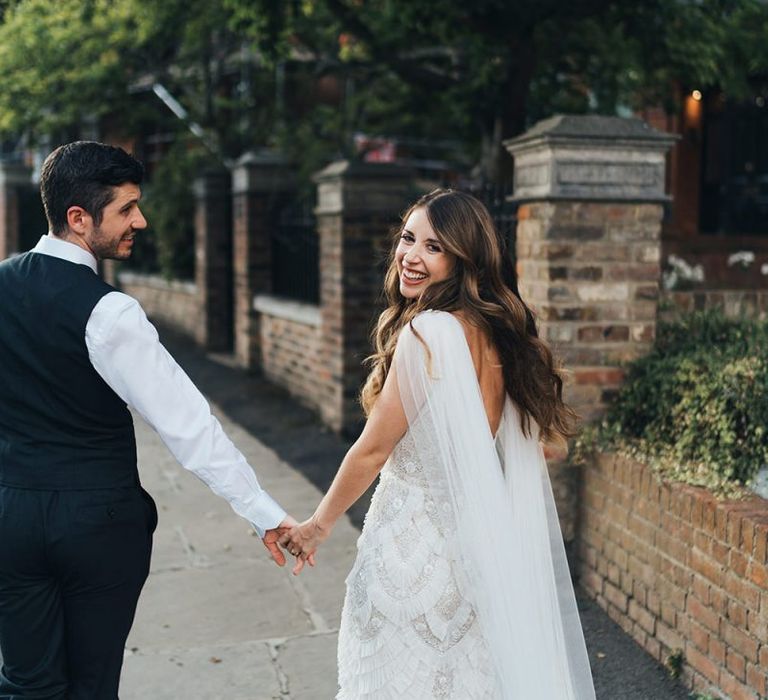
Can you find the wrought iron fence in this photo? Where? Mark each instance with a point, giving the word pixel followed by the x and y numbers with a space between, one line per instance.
pixel 295 248
pixel 503 211
pixel 32 222
pixel 295 253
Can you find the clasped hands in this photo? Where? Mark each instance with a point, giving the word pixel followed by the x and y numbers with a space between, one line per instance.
pixel 299 539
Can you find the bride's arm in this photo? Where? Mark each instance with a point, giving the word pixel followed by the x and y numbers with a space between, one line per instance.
pixel 384 428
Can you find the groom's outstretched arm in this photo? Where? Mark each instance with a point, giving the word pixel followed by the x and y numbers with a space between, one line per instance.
pixel 125 350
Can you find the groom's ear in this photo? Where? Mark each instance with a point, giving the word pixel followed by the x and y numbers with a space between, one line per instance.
pixel 79 221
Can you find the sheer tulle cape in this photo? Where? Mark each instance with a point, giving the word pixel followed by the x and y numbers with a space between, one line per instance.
pixel 507 528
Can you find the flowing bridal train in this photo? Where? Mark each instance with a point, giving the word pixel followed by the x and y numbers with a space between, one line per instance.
pixel 460 588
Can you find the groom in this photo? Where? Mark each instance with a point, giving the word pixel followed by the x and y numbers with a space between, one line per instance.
pixel 75 525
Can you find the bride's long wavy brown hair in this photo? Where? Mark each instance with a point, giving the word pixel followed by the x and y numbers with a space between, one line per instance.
pixel 483 287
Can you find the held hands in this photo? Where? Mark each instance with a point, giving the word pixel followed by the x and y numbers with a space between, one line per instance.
pixel 302 541
pixel 271 538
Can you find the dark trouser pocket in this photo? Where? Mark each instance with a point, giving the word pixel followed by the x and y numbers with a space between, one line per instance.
pixel 151 510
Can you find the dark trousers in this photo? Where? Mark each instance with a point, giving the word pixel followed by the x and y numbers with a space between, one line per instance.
pixel 72 565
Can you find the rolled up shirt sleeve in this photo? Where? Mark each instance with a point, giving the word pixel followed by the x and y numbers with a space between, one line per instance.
pixel 125 350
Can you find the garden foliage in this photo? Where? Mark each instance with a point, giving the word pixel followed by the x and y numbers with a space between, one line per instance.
pixel 696 407
pixel 169 205
pixel 308 76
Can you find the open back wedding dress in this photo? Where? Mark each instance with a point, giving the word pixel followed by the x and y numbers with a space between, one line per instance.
pixel 460 588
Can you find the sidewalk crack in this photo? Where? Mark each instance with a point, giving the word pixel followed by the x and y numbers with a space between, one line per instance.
pixel 305 600
pixel 282 678
pixel 198 561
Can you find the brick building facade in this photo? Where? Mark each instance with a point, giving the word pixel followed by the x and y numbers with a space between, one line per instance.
pixel 718 178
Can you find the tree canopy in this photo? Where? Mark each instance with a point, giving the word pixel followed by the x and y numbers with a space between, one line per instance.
pixel 469 74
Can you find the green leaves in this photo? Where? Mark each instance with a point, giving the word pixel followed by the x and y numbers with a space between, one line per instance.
pixel 253 72
pixel 697 406
pixel 169 205
pixel 64 62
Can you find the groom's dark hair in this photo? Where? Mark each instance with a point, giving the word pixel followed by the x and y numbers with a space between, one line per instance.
pixel 83 174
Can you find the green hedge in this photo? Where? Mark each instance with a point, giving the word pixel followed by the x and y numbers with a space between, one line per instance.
pixel 696 407
pixel 168 245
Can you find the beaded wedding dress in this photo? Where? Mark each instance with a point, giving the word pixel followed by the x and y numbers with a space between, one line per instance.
pixel 460 588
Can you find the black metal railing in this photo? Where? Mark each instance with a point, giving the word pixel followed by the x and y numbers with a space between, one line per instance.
pixel 496 198
pixel 295 253
pixel 295 245
pixel 32 223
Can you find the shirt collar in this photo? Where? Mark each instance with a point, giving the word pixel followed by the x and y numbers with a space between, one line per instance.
pixel 59 248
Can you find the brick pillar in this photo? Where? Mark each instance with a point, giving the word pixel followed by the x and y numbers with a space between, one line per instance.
pixel 261 182
pixel 13 177
pixel 108 270
pixel 357 206
pixel 213 260
pixel 591 193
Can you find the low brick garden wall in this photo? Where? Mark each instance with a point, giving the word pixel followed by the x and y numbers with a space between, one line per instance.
pixel 684 574
pixel 752 303
pixel 174 304
pixel 290 341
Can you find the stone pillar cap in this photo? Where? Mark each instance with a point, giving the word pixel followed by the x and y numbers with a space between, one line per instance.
pixel 592 128
pixel 592 158
pixel 361 169
pixel 355 187
pixel 264 170
pixel 15 173
pixel 262 157
pixel 211 180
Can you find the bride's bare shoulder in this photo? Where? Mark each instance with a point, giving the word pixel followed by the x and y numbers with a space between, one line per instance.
pixel 478 340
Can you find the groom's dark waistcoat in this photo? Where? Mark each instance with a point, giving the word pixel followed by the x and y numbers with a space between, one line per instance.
pixel 61 426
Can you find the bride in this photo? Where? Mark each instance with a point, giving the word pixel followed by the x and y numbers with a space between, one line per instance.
pixel 460 588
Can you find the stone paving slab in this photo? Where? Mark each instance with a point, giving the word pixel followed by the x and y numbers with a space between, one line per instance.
pixel 264 670
pixel 215 672
pixel 311 653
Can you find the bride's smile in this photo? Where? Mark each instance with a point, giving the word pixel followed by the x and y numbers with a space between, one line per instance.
pixel 420 257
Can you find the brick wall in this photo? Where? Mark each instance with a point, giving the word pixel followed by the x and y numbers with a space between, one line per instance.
pixel 262 184
pixel 752 303
pixel 13 179
pixel 289 338
pixel 174 303
pixel 9 221
pixel 289 342
pixel 357 205
pixel 680 572
pixel 590 270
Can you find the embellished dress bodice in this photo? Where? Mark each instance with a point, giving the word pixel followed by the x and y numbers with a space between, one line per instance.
pixel 409 629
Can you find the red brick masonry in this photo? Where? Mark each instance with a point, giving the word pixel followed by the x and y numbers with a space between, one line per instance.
pixel 680 572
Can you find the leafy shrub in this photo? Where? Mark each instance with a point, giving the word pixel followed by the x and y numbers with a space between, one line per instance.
pixel 696 407
pixel 168 246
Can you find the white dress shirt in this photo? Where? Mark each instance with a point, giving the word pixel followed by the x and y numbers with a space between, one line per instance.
pixel 124 348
